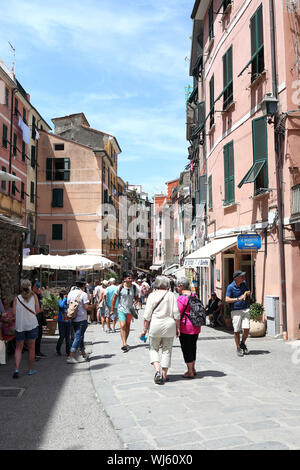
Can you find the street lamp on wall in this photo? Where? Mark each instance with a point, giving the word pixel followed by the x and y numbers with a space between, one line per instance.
pixel 269 106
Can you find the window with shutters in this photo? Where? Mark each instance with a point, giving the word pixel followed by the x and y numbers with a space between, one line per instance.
pixel 33 128
pixel 256 61
pixel 4 136
pixel 6 100
pixel 224 4
pixel 32 161
pixel 3 182
pixel 23 151
pixel 16 107
pixel 22 190
pixel 260 152
pixel 57 232
pixel 229 173
pixel 15 145
pixel 32 192
pixel 105 196
pixel 210 197
pixel 58 169
pixel 211 102
pixel 13 186
pixel 211 20
pixel 58 197
pixel 227 79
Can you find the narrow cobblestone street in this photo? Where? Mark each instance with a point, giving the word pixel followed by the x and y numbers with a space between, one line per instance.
pixel 112 402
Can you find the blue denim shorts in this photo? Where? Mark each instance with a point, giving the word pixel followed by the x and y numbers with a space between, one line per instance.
pixel 31 334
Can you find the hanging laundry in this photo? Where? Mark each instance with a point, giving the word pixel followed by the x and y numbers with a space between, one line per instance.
pixel 25 130
pixel 37 135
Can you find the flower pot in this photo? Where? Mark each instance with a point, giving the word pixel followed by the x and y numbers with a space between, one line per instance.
pixel 257 327
pixel 50 329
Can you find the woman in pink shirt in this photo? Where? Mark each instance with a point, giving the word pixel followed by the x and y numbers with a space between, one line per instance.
pixel 188 332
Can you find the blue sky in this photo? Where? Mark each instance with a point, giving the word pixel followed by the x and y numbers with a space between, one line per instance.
pixel 121 62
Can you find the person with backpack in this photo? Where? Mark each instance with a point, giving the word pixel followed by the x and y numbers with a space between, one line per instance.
pixel 78 304
pixel 192 315
pixel 128 296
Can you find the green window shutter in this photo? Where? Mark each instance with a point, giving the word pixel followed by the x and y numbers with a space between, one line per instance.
pixel 202 189
pixel 58 197
pixel 260 151
pixel 22 190
pixel 15 144
pixel 105 196
pixel 210 199
pixel 211 20
pixel 57 232
pixel 23 151
pixel 32 192
pixel 211 101
pixel 32 162
pixel 257 43
pixel 3 183
pixel 67 167
pixel 227 78
pixel 4 136
pixel 49 165
pixel 229 173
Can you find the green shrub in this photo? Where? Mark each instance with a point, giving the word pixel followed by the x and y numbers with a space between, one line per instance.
pixel 256 310
pixel 50 305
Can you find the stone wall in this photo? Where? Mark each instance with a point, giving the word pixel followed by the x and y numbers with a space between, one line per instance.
pixel 9 263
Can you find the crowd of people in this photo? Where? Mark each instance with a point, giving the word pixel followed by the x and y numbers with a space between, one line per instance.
pixel 166 315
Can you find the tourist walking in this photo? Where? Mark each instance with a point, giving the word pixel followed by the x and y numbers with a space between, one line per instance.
pixel 127 294
pixel 188 332
pixel 108 297
pixel 64 324
pixel 25 309
pixel 102 312
pixel 80 322
pixel 162 319
pixel 237 295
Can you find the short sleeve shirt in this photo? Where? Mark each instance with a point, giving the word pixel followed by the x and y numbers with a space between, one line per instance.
pixel 84 299
pixel 110 292
pixel 126 298
pixel 233 291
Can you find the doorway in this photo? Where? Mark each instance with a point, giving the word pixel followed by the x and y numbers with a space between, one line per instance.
pixel 228 270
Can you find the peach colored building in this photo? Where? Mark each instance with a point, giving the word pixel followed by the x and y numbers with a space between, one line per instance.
pixel 157 223
pixel 76 176
pixel 245 60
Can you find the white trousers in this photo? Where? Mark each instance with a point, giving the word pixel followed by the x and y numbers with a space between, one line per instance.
pixel 166 350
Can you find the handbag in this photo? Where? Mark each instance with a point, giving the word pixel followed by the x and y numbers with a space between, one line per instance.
pixel 134 312
pixel 2 352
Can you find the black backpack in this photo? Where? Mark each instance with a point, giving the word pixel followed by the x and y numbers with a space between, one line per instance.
pixel 197 312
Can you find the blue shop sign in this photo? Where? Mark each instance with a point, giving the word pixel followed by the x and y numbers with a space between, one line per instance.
pixel 249 242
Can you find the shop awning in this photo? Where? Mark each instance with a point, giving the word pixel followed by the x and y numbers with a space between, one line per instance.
pixel 202 256
pixel 155 267
pixel 170 270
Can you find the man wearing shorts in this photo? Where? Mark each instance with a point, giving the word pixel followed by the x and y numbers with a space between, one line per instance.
pixel 108 296
pixel 237 295
pixel 127 295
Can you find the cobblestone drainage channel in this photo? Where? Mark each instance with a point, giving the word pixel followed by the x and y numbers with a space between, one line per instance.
pixel 11 392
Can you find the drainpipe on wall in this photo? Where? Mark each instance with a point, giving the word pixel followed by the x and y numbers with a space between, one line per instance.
pixel 278 160
pixel 13 91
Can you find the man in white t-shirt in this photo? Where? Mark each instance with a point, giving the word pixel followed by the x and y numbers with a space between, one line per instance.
pixel 80 322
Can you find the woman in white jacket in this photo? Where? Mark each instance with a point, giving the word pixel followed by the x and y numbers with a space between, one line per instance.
pixel 163 317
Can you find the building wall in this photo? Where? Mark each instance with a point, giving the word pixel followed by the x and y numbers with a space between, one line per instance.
pixel 82 197
pixel 251 211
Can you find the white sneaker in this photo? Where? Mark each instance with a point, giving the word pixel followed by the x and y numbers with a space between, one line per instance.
pixel 71 360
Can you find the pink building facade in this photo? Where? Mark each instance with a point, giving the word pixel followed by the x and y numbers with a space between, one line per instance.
pixel 246 80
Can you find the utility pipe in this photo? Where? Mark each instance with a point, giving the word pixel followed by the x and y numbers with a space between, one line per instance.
pixel 278 161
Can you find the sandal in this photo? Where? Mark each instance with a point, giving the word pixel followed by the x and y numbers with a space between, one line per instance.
pixel 187 376
pixel 157 378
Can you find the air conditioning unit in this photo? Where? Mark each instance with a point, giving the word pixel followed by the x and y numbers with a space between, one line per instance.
pixel 272 312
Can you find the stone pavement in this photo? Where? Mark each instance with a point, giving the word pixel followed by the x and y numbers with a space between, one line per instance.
pixel 251 402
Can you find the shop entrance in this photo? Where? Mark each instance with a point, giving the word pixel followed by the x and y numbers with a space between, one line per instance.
pixel 228 270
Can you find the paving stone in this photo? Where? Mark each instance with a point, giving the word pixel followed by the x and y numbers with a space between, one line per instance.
pixel 226 442
pixel 176 440
pixel 267 424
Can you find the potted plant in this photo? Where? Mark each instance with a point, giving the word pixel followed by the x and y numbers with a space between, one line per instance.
pixel 257 323
pixel 50 306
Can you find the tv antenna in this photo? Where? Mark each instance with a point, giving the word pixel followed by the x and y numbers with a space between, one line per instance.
pixel 14 54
